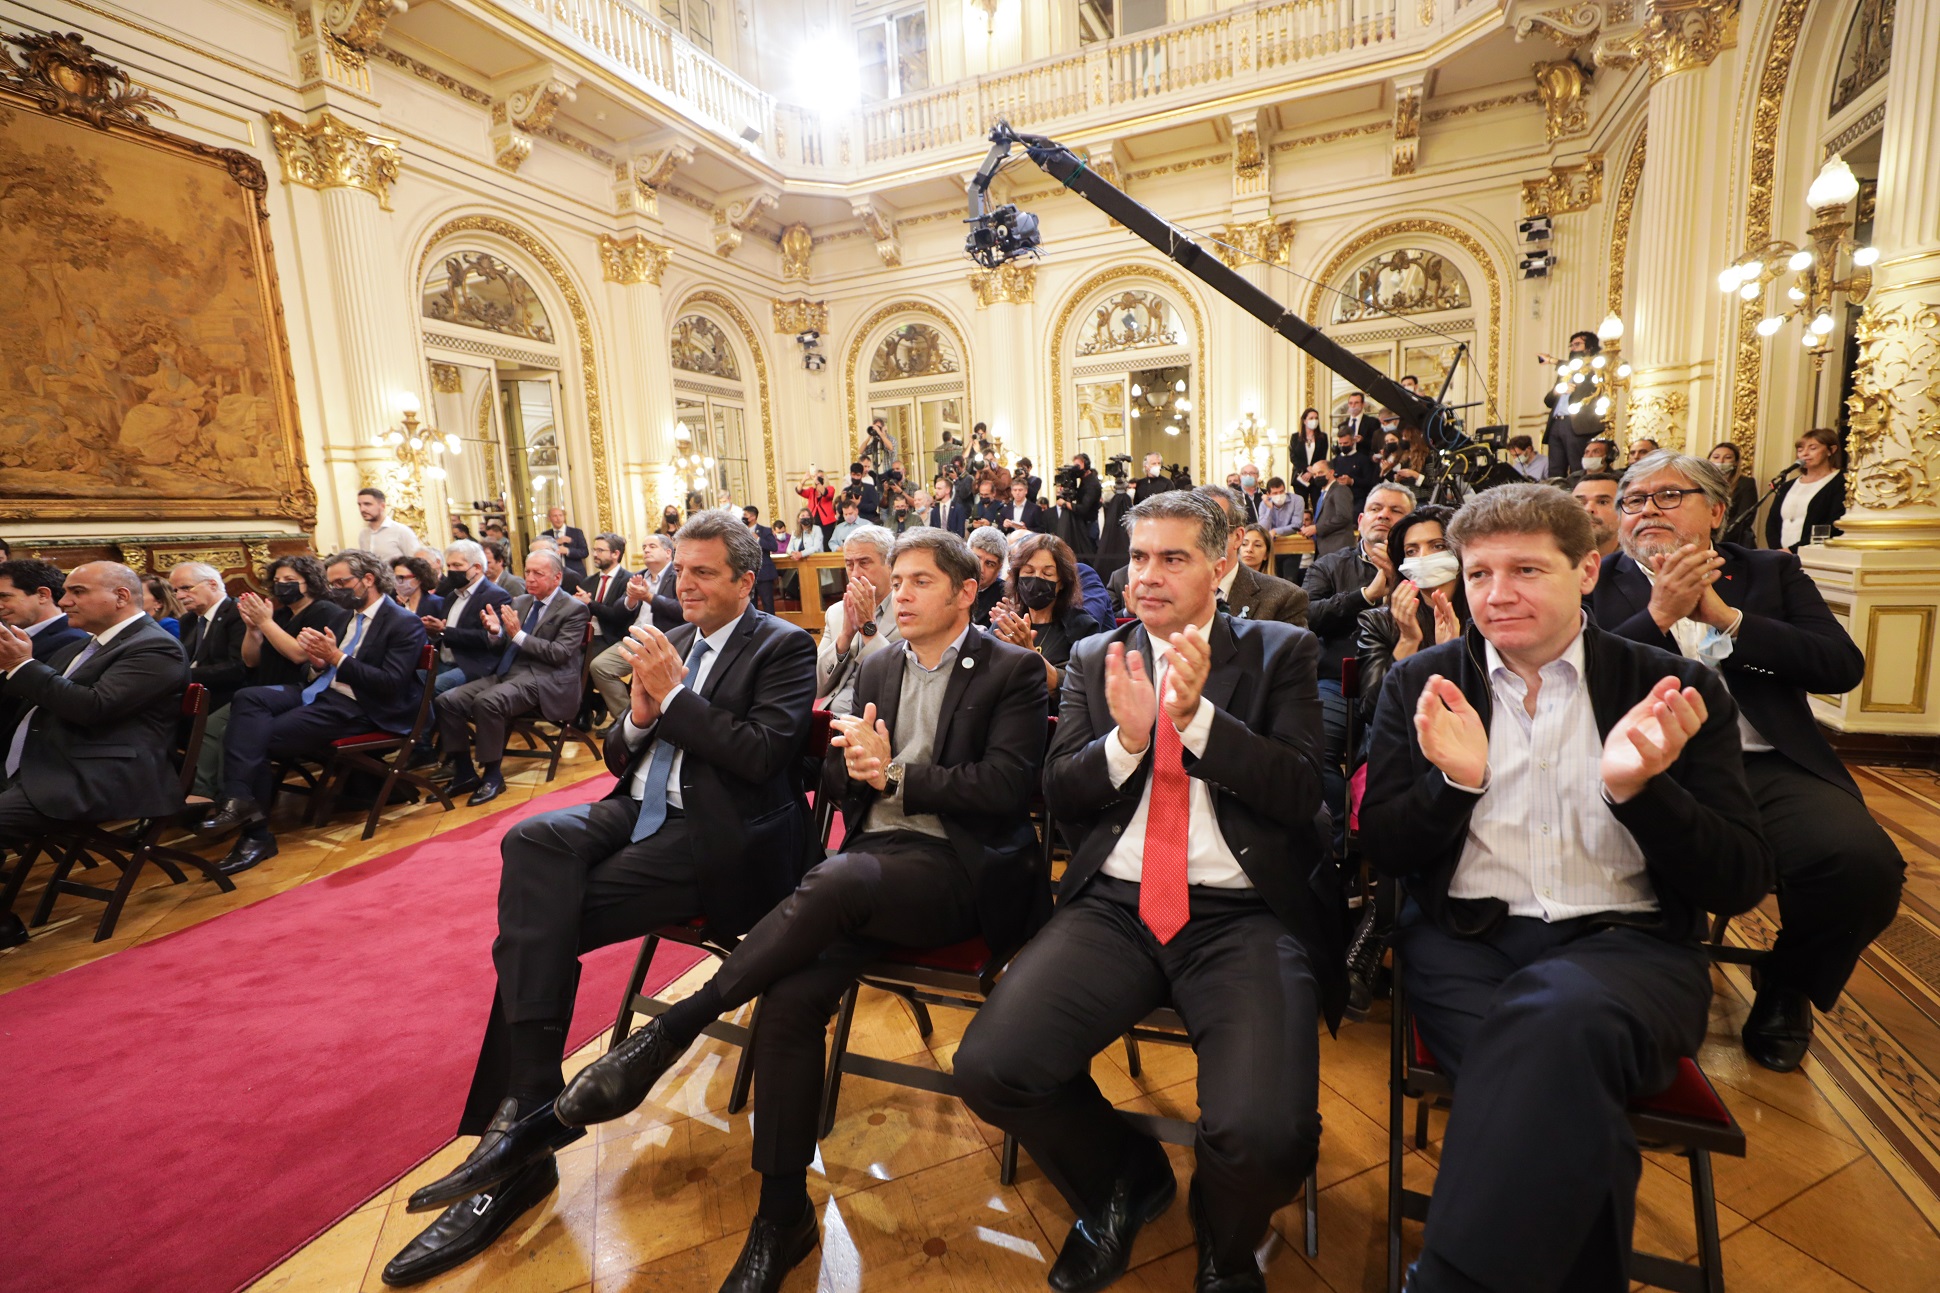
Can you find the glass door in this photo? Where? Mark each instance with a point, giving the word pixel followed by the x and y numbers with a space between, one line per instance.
pixel 527 406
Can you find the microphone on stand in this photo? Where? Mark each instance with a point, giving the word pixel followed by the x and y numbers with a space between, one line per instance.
pixel 1787 474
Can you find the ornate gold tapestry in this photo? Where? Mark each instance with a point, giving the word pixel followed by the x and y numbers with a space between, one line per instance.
pixel 144 370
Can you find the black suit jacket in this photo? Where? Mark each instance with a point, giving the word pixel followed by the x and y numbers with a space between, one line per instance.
pixel 1266 597
pixel 770 545
pixel 1789 645
pixel 1298 459
pixel 667 615
pixel 216 659
pixel 100 744
pixel 1085 508
pixel 868 500
pixel 47 643
pixel 984 763
pixel 384 672
pixel 613 616
pixel 1148 486
pixel 1585 422
pixel 572 549
pixel 742 735
pixel 1696 825
pixel 1262 761
pixel 471 646
pixel 947 517
pixel 1826 507
pixel 1033 518
pixel 1333 586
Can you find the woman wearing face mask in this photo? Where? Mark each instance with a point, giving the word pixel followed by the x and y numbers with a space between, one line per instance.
pixel 669 519
pixel 1741 489
pixel 1426 607
pixel 808 535
pixel 1816 498
pixel 1307 447
pixel 415 580
pixel 298 600
pixel 1256 549
pixel 1041 612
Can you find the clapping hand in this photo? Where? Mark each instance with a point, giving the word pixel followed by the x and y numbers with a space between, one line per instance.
pixel 1384 577
pixel 508 620
pixel 1451 733
pixel 488 616
pixel 656 666
pixel 864 741
pixel 637 590
pixel 1683 578
pixel 16 647
pixel 321 647
pixel 1448 625
pixel 1012 627
pixel 1402 605
pixel 1187 664
pixel 1129 696
pixel 1650 737
pixel 583 597
pixel 432 624
pixel 255 611
pixel 858 607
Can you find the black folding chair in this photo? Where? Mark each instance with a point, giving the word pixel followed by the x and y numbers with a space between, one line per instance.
pixel 378 754
pixel 548 740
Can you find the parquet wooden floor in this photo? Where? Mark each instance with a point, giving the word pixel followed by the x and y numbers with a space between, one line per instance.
pixel 1840 1189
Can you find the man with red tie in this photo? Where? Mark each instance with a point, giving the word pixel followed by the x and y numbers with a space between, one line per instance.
pixel 1186 768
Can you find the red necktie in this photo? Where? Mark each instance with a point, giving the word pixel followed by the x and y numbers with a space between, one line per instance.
pixel 602 593
pixel 1162 903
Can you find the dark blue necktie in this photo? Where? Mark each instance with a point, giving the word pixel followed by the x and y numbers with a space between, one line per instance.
pixel 653 797
pixel 511 651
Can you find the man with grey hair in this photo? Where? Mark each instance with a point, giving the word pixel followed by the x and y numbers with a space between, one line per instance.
pixel 863 623
pixel 1756 617
pixel 463 651
pixel 118 687
pixel 993 556
pixel 212 630
pixel 1185 775
pixel 1247 593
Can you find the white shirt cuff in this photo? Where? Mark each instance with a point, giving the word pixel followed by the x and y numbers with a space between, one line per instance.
pixel 518 639
pixel 1467 790
pixel 22 665
pixel 668 699
pixel 1120 763
pixel 1195 734
pixel 632 733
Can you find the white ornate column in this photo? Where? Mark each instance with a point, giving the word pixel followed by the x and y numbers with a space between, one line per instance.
pixel 370 292
pixel 1883 575
pixel 1008 358
pixel 644 441
pixel 1679 226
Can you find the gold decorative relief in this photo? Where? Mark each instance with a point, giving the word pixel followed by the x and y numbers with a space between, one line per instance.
pixel 65 77
pixel 1569 26
pixel 1255 241
pixel 1248 162
pixel 1867 53
pixel 1013 281
pixel 1061 342
pixel 634 259
pixel 1564 87
pixel 852 364
pixel 1676 36
pixel 357 25
pixel 727 307
pixel 1894 408
pixel 446 379
pixel 330 153
pixel 526 112
pixel 1407 280
pixel 1659 416
pixel 912 350
pixel 801 315
pixel 1407 129
pixel 734 220
pixel 478 290
pixel 1633 175
pixel 889 248
pixel 797 244
pixel 1564 189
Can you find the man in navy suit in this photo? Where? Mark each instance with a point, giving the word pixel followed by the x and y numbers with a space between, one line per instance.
pixel 945 513
pixel 765 575
pixel 367 680
pixel 570 538
pixel 30 600
pixel 1756 617
pixel 212 631
pixel 1020 515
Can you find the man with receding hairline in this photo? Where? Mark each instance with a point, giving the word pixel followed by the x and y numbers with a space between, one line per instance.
pixel 119 687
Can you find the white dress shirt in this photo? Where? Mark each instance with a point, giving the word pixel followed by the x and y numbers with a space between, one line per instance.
pixel 390 541
pixel 638 786
pixel 366 615
pixel 543 608
pixel 1209 860
pixel 1542 837
pixel 1699 641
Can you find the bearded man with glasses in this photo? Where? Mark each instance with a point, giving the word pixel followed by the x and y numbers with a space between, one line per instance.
pixel 1756 617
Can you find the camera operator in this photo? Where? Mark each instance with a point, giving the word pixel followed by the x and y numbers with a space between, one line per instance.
pixel 877 447
pixel 868 500
pixel 1086 493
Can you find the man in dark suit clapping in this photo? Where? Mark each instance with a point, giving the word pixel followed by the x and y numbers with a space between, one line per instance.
pixel 1191 787
pixel 707 820
pixel 98 717
pixel 1757 618
pixel 367 679
pixel 604 592
pixel 540 641
pixel 30 600
pixel 212 630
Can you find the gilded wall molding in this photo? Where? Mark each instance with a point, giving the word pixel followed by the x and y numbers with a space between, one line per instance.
pixel 1564 89
pixel 1565 189
pixel 1894 409
pixel 800 315
pixel 763 395
pixel 633 259
pixel 1263 241
pixel 330 153
pixel 65 77
pixel 797 245
pixel 357 25
pixel 1675 36
pixel 1568 26
pixel 1462 238
pixel 525 112
pixel 1658 415
pixel 733 221
pixel 1407 128
pixel 637 181
pixel 528 243
pixel 1013 282
pixel 852 376
pixel 1633 175
pixel 1201 370
pixel 1767 111
pixel 446 379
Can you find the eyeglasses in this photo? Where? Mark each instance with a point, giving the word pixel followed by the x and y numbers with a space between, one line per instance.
pixel 1667 500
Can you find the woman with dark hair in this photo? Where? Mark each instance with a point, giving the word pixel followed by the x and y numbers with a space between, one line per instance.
pixel 1307 447
pixel 415 579
pixel 158 599
pixel 1040 612
pixel 1426 607
pixel 1741 491
pixel 1816 498
pixel 1256 549
pixel 669 519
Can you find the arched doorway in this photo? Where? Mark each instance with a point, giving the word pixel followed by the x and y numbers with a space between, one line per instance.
pixel 908 366
pixel 710 413
pixel 1133 342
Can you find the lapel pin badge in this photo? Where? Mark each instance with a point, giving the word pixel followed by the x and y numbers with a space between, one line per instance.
pixel 969 662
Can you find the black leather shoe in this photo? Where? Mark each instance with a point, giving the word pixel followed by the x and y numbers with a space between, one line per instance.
pixel 469 1226
pixel 13 931
pixel 247 853
pixel 510 1145
pixel 489 789
pixel 1098 1249
pixel 231 813
pixel 1778 1031
pixel 1208 1279
pixel 613 1085
pixel 465 782
pixel 771 1252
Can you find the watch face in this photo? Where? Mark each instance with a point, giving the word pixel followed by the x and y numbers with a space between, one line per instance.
pixel 868 628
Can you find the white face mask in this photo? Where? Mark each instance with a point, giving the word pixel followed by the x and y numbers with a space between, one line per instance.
pixel 1247 482
pixel 1152 472
pixel 1432 569
pixel 1313 424
pixel 1592 464
pixel 1279 500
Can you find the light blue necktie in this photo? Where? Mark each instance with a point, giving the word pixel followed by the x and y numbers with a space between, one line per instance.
pixel 328 676
pixel 653 798
pixel 511 652
pixel 19 746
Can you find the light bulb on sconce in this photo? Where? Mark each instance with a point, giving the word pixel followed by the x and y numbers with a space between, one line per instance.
pixel 1835 186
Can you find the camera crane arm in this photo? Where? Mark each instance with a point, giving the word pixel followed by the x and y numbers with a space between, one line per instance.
pixel 997 236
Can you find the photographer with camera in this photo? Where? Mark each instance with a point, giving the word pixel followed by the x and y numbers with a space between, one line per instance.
pixel 877 445
pixel 1080 483
pixel 821 504
pixel 868 499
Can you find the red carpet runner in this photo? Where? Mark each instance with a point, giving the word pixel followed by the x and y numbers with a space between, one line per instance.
pixel 185 1114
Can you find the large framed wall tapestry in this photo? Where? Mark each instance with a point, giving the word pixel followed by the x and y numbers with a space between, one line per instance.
pixel 144 369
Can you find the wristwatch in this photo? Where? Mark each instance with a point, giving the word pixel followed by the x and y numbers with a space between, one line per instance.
pixel 867 628
pixel 892 778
